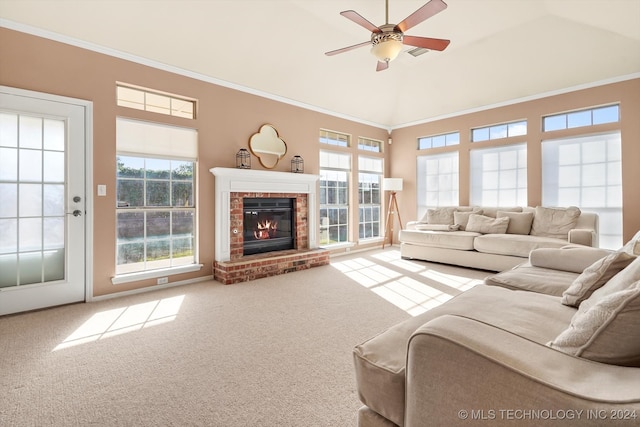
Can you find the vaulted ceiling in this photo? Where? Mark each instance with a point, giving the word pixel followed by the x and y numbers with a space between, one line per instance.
pixel 500 51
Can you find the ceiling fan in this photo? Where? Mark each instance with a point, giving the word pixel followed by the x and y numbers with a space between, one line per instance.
pixel 387 40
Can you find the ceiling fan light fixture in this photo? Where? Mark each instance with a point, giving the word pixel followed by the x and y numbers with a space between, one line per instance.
pixel 386 46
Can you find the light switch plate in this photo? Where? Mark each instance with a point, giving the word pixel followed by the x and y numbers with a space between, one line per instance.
pixel 102 190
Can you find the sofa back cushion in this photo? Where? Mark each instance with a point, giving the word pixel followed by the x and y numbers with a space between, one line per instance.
pixel 519 222
pixel 440 215
pixel 493 211
pixel 595 276
pixel 487 225
pixel 607 331
pixel 461 218
pixel 554 222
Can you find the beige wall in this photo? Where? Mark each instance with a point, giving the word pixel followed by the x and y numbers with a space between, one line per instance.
pixel 226 119
pixel 627 94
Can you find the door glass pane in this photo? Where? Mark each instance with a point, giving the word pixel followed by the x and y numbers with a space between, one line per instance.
pixel 30 132
pixel 32 212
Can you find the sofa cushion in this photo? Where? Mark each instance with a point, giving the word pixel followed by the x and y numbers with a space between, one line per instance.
pixel 594 276
pixel 608 331
pixel 493 211
pixel 436 227
pixel 526 277
pixel 487 225
pixel 514 244
pixel 461 218
pixel 554 222
pixel 380 361
pixel 519 222
pixel 440 215
pixel 462 240
pixel 573 258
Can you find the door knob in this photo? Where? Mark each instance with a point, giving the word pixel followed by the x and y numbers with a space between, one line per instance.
pixel 77 212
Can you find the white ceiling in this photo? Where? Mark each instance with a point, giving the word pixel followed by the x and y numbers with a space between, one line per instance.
pixel 500 50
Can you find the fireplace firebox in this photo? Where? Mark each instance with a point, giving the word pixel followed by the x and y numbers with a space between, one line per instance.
pixel 268 224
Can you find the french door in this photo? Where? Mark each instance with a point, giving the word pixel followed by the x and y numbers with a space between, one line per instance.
pixel 42 200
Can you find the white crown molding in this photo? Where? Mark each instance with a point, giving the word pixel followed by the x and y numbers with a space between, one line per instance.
pixel 39 32
pixel 520 100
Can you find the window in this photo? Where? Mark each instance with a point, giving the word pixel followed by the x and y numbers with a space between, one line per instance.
pixel 155 212
pixel 367 144
pixel 586 172
pixel 156 102
pixel 369 183
pixel 589 117
pixel 334 138
pixel 437 183
pixel 505 130
pixel 334 197
pixel 499 176
pixel 444 140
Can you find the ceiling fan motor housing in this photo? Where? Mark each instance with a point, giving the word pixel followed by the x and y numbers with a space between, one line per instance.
pixel 387 33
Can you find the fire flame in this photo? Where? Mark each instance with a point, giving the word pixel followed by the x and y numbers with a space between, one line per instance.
pixel 265 229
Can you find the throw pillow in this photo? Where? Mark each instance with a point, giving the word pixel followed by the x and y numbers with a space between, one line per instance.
pixel 519 222
pixel 632 247
pixel 594 276
pixel 554 222
pixel 487 225
pixel 619 282
pixel 461 218
pixel 608 332
pixel 440 216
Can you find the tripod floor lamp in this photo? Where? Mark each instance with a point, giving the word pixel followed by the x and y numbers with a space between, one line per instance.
pixel 392 185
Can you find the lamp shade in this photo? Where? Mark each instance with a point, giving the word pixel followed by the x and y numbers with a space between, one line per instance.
pixel 392 184
pixel 387 50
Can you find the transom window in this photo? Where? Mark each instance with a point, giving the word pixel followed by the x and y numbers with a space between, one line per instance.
pixel 367 144
pixel 435 141
pixel 334 138
pixel 505 130
pixel 156 102
pixel 589 117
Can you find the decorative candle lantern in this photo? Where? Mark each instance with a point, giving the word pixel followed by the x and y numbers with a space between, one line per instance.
pixel 243 159
pixel 297 164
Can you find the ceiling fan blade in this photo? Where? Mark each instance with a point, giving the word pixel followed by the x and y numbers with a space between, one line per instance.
pixel 426 42
pixel 382 65
pixel 358 19
pixel 345 49
pixel 426 11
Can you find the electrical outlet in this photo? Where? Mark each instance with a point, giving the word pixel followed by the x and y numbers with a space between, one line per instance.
pixel 163 280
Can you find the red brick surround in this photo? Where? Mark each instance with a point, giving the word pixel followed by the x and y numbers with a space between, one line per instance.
pixel 242 268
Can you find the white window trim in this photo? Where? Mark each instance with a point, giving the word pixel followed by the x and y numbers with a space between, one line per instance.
pixel 152 274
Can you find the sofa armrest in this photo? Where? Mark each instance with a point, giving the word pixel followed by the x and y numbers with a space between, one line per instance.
pixel 457 364
pixel 583 236
pixel 569 258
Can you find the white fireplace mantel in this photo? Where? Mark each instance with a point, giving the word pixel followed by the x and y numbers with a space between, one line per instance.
pixel 229 180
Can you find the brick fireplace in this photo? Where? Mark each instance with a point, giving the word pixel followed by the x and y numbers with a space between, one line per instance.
pixel 232 188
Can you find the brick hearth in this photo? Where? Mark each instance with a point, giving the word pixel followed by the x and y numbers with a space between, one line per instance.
pixel 232 186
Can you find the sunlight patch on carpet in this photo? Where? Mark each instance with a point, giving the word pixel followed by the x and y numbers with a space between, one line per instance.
pixel 123 320
pixel 410 286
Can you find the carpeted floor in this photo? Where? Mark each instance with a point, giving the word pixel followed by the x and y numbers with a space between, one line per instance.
pixel 272 352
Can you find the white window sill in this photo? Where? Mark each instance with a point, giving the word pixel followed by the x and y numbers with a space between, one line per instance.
pixel 338 245
pixel 152 274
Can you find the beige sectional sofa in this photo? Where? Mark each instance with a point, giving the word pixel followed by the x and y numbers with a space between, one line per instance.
pixel 554 341
pixel 494 239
